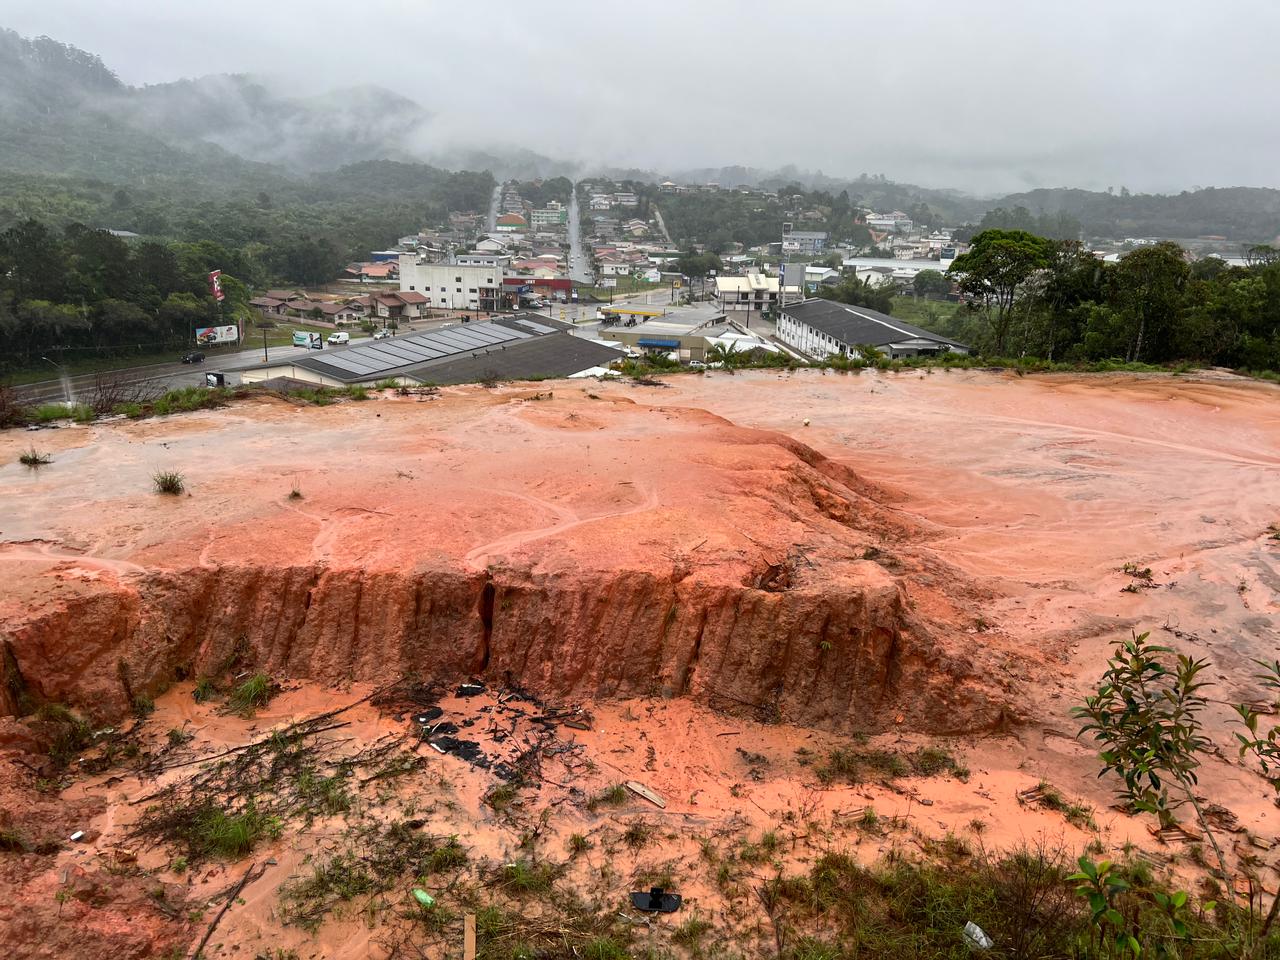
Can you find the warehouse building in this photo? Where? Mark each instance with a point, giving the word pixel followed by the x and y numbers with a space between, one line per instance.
pixel 819 328
pixel 515 347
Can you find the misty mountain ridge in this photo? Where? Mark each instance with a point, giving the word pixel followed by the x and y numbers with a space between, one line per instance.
pixel 71 115
pixel 68 114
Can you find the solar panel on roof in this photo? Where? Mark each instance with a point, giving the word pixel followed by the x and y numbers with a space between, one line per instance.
pixel 498 335
pixel 536 327
pixel 383 355
pixel 458 341
pixel 355 366
pixel 404 355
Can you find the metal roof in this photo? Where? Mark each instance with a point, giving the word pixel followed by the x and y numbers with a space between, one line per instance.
pixel 423 355
pixel 854 325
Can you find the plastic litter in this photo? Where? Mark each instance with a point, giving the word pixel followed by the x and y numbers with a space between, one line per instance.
pixel 656 900
pixel 77 836
pixel 424 898
pixel 975 938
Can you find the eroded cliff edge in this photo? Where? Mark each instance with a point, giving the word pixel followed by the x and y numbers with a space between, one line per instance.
pixel 683 557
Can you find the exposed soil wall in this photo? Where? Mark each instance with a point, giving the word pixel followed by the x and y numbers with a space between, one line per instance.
pixel 852 658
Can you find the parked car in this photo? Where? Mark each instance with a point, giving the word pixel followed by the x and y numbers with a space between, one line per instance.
pixel 381 334
pixel 697 365
pixel 194 357
pixel 339 336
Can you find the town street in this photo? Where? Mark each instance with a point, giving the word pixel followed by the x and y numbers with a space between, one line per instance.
pixel 579 264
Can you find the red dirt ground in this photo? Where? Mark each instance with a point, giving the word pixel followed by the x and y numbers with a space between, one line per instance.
pixel 933 554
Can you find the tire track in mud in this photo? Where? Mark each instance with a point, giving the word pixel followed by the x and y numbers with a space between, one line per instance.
pixel 567 519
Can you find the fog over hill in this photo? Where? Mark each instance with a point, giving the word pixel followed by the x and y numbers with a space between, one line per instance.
pixel 68 113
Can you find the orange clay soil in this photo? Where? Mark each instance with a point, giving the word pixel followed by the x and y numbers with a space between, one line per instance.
pixel 718 583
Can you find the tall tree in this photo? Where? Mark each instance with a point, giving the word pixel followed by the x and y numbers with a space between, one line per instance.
pixel 1148 287
pixel 997 264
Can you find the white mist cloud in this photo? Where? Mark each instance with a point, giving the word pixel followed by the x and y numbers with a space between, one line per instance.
pixel 991 95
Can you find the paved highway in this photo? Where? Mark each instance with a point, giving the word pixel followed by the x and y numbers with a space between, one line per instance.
pixel 167 375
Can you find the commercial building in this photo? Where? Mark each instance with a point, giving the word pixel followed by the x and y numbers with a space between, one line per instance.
pixel 753 293
pixel 803 242
pixel 554 214
pixel 515 347
pixel 452 286
pixel 820 328
pixel 685 331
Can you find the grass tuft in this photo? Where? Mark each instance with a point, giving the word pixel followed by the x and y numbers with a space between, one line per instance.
pixel 169 481
pixel 255 692
pixel 614 796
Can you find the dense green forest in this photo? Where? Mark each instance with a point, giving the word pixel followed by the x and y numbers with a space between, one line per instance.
pixel 1242 214
pixel 79 292
pixel 1031 296
pixel 82 148
pixel 541 192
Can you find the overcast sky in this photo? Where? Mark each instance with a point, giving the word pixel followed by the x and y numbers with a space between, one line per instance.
pixel 985 95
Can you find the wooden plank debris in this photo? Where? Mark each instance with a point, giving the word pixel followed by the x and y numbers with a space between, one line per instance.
pixel 640 790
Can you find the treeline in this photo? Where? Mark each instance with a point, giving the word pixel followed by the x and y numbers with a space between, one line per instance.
pixel 718 219
pixel 80 292
pixel 1030 296
pixel 298 232
pixel 1238 213
pixel 541 192
pixel 1055 226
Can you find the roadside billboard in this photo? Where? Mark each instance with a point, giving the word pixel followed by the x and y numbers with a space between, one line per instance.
pixel 208 335
pixel 215 285
pixel 313 341
pixel 606 282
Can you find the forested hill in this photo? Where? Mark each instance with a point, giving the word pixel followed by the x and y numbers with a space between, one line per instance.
pixel 65 113
pixel 61 111
pixel 1238 213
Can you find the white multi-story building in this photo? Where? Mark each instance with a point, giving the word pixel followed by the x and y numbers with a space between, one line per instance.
pixel 452 286
pixel 552 215
pixel 754 293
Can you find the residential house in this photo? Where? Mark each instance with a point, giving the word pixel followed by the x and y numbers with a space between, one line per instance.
pixel 269 306
pixel 511 223
pixel 626 199
pixel 615 266
pixel 381 270
pixel 492 244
